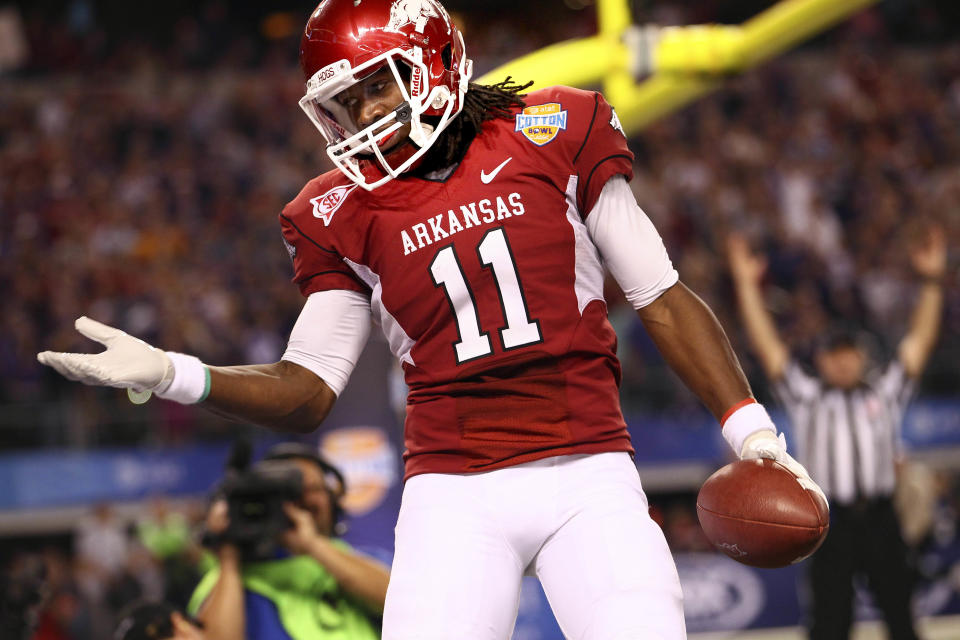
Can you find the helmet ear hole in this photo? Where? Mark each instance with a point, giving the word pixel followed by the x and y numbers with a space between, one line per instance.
pixel 446 57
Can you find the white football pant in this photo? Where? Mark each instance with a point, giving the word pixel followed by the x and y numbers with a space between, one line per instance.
pixel 579 523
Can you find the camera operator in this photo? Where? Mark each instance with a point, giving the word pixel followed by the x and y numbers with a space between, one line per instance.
pixel 313 585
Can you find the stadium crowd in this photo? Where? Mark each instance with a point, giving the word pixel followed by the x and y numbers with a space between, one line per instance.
pixel 140 185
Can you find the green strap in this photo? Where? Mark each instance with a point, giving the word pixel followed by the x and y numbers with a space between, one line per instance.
pixel 206 384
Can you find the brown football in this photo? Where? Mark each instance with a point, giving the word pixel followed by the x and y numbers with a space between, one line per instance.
pixel 757 512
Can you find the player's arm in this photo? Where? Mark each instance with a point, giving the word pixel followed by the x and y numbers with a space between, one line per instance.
pixel 930 262
pixel 695 346
pixel 684 329
pixel 296 393
pixel 293 395
pixel 282 396
pixel 747 269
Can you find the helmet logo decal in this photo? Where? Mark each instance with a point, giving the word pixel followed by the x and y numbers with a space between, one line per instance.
pixel 326 205
pixel 417 12
pixel 541 123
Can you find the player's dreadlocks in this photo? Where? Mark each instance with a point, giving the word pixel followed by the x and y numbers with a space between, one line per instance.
pixel 481 103
pixel 484 102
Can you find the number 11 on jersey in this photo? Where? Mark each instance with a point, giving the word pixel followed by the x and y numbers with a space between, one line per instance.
pixel 494 253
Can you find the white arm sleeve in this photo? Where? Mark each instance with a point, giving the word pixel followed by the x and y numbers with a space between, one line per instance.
pixel 629 244
pixel 329 335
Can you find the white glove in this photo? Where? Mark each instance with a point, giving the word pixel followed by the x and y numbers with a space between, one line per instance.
pixel 766 444
pixel 127 363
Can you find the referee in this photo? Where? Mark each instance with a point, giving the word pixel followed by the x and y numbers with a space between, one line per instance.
pixel 846 426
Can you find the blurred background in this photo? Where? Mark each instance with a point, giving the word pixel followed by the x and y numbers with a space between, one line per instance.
pixel 146 150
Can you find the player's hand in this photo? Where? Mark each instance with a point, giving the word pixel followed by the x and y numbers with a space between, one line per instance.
pixel 766 444
pixel 128 362
pixel 301 535
pixel 745 265
pixel 930 256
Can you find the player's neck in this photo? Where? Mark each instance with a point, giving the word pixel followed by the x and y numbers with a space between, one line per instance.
pixel 446 153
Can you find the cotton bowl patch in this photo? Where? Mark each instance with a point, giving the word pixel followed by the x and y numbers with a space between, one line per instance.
pixel 368 461
pixel 541 123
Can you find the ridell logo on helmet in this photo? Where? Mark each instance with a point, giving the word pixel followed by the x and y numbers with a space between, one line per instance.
pixel 326 205
pixel 415 84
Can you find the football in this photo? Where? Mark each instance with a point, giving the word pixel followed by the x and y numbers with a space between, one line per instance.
pixel 758 513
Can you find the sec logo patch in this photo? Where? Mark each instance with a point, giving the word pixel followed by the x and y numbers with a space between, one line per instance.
pixel 541 123
pixel 326 205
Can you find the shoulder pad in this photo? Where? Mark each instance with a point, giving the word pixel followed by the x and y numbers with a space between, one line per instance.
pixel 322 197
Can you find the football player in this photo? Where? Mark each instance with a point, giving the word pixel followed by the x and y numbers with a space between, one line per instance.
pixel 472 224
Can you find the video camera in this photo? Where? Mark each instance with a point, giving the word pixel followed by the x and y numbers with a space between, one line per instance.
pixel 255 500
pixel 255 496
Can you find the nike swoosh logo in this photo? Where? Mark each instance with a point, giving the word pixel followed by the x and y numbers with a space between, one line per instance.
pixel 487 178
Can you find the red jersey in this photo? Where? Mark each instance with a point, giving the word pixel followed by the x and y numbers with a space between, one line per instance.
pixel 487 286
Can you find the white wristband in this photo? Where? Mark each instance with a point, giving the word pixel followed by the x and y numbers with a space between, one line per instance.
pixel 191 380
pixel 744 422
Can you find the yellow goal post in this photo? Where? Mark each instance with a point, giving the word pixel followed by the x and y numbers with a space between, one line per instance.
pixel 682 63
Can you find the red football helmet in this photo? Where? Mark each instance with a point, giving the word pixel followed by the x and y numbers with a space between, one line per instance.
pixel 347 40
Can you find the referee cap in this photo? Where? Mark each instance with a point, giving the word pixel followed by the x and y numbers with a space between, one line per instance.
pixel 846 336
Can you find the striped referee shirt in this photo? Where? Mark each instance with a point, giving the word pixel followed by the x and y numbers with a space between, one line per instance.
pixel 847 439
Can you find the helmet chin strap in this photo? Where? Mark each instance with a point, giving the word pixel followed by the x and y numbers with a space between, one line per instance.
pixel 420 136
pixel 398 155
pixel 416 140
pixel 404 150
pixel 419 131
